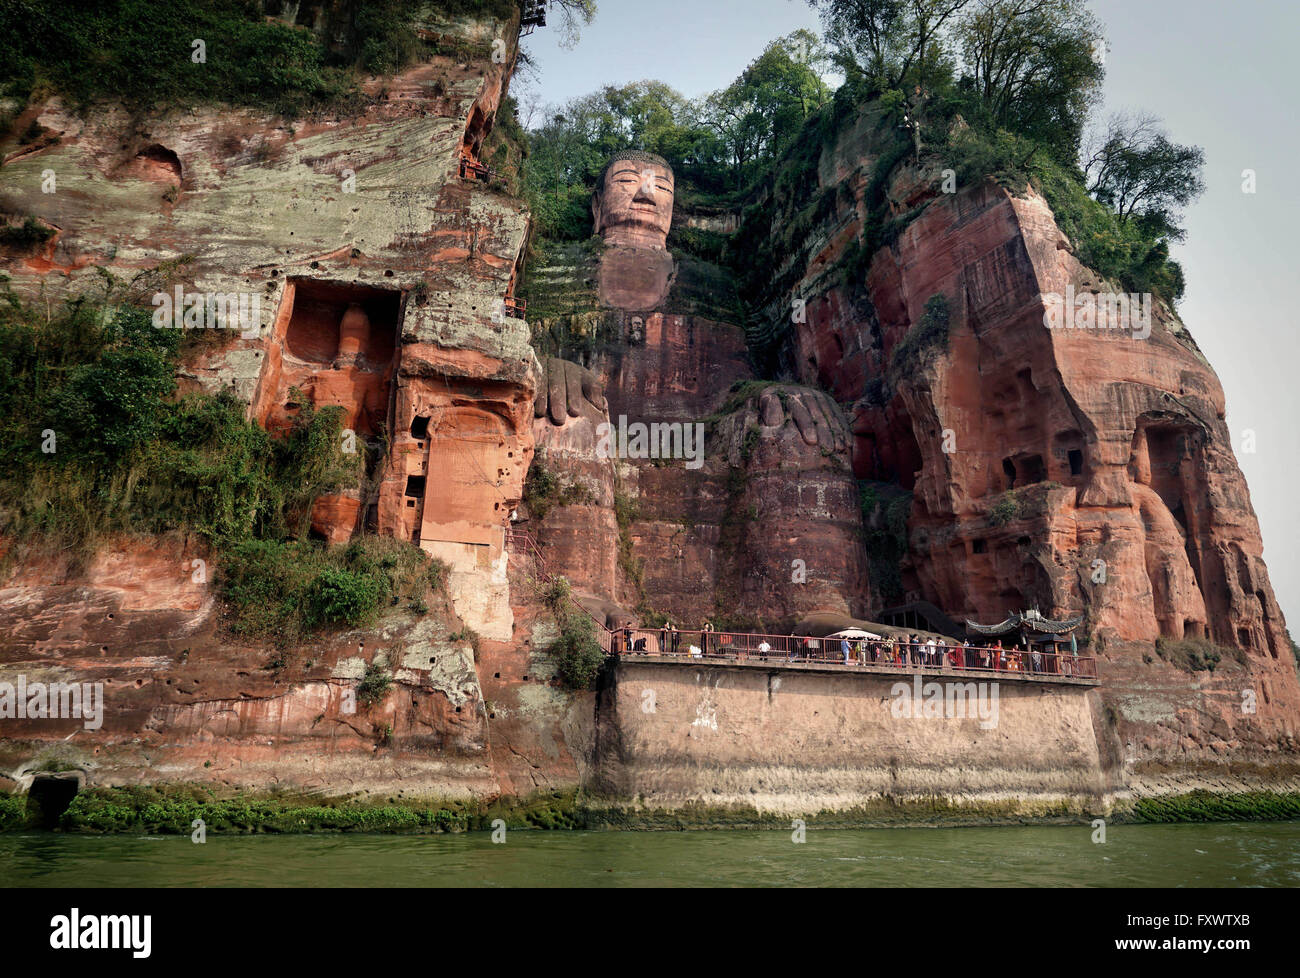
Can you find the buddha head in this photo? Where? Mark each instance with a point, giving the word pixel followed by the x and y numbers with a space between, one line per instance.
pixel 633 203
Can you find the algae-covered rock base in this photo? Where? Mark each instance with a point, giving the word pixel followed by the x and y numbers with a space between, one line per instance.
pixel 174 810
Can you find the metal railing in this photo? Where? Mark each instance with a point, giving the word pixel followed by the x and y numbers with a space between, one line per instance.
pixel 686 644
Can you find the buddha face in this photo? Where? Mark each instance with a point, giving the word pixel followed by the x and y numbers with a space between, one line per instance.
pixel 634 205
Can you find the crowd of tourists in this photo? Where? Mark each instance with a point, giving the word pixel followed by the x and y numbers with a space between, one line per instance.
pixel 903 651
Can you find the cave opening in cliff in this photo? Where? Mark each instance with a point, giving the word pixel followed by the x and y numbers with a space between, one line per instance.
pixel 50 795
pixel 338 346
pixel 157 163
pixel 333 319
pixel 1076 461
pixel 480 124
pixel 1028 470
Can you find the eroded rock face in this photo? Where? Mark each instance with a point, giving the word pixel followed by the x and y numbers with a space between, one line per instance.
pixel 580 539
pixel 372 276
pixel 182 701
pixel 1080 471
pixel 372 279
pixel 793 507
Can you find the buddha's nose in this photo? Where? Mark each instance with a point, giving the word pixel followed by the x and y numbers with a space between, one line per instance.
pixel 645 192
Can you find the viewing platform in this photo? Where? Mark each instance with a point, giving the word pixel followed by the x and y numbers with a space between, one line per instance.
pixel 788 652
pixel 817 654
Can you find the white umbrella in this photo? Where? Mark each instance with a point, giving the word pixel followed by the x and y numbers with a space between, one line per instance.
pixel 854 634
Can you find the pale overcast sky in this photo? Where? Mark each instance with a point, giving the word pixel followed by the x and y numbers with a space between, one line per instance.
pixel 1220 76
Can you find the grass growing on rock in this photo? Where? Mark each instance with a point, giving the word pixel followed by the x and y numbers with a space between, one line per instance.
pixel 1195 654
pixel 283 589
pixel 143 53
pixel 171 810
pixel 1205 806
pixel 926 338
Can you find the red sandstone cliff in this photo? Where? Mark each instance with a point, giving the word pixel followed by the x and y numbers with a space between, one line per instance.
pixel 380 273
pixel 1115 447
pixel 1079 471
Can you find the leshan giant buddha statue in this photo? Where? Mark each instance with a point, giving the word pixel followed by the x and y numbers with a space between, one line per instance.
pixel 633 211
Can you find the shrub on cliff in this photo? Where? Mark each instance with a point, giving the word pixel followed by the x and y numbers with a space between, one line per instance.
pixel 543 490
pixel 578 655
pixel 926 337
pixel 1006 509
pixel 1195 654
pixel 347 597
pixel 283 589
pixel 374 685
pixel 29 232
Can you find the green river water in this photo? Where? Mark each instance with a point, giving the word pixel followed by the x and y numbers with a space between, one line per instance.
pixel 1220 854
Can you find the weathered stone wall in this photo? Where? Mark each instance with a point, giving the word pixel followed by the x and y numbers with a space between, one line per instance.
pixel 796 741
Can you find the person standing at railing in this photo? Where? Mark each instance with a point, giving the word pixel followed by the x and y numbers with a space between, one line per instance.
pixel 844 648
pixel 706 637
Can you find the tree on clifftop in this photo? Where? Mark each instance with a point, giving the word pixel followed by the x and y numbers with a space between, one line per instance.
pixel 887 42
pixel 1035 66
pixel 1136 170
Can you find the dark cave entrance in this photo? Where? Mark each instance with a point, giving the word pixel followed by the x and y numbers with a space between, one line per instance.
pixel 50 795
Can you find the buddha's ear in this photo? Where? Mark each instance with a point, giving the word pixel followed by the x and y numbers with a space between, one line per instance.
pixel 595 212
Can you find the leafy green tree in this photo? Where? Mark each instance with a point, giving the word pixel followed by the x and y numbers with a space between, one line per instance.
pixel 1033 65
pixel 1142 175
pixel 888 42
pixel 760 113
